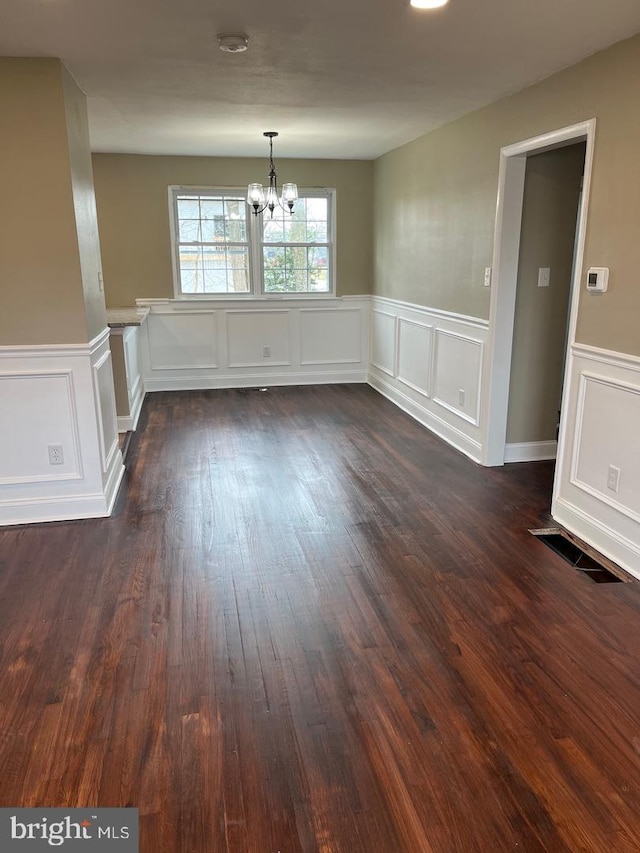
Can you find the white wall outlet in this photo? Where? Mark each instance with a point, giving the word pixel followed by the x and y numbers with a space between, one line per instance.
pixel 613 478
pixel 487 276
pixel 56 454
pixel 461 397
pixel 266 352
pixel 598 279
pixel 544 276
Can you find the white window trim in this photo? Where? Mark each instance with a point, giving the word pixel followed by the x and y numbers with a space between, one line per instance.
pixel 254 234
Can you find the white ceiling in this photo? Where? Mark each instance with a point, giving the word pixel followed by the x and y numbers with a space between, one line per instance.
pixel 336 78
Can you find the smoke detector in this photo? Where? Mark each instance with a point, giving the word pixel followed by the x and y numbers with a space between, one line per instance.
pixel 233 42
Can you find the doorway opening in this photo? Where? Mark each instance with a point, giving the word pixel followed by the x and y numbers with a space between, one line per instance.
pixel 506 257
pixel 552 191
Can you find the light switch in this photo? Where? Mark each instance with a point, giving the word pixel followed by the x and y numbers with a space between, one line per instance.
pixel 487 276
pixel 544 276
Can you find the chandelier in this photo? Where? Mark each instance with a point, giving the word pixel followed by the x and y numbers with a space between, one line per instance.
pixel 261 200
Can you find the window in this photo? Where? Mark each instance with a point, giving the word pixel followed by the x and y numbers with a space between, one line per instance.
pixel 220 247
pixel 211 246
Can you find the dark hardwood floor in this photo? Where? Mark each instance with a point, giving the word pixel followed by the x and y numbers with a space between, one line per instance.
pixel 312 626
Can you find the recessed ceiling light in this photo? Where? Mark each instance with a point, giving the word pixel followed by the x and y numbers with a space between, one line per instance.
pixel 233 42
pixel 428 4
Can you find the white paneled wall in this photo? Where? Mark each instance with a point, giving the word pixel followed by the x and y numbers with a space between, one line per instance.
pixel 601 430
pixel 429 363
pixel 59 396
pixel 238 343
pixel 332 336
pixel 258 338
pixel 457 372
pixel 135 383
pixel 183 340
pixel 415 355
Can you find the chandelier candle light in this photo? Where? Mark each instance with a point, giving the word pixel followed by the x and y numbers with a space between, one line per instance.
pixel 261 201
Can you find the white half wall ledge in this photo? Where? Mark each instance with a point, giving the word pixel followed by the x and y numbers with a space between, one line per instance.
pixel 242 343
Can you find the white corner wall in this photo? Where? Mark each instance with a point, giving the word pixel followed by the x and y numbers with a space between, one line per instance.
pixel 602 429
pixel 58 395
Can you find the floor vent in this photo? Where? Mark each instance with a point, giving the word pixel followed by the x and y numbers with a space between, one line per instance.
pixel 597 568
pixel 250 390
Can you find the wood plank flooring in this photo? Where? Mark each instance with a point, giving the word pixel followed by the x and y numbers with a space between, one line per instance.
pixel 312 626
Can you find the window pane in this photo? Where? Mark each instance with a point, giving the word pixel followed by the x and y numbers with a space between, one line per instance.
pixel 296 230
pixel 274 270
pixel 316 231
pixel 213 230
pixel 319 269
pixel 236 230
pixel 301 265
pixel 235 208
pixel 191 269
pixel 273 231
pixel 211 208
pixel 189 230
pixel 188 208
pixel 296 257
pixel 218 220
pixel 316 208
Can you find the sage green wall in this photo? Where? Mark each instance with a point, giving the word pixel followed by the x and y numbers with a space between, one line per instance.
pixel 41 299
pixel 84 203
pixel 133 214
pixel 49 253
pixel 549 213
pixel 435 198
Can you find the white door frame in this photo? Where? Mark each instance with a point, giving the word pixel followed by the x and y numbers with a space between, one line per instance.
pixel 506 250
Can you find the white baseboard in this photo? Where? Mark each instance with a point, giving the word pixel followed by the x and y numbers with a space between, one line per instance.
pixel 128 423
pixel 608 542
pixel 65 507
pixel 530 451
pixel 251 380
pixel 441 428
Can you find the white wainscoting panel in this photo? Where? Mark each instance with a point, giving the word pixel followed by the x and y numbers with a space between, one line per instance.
pixel 125 351
pixel 458 373
pixel 332 336
pixel 135 384
pixel 415 355
pixel 106 408
pixel 61 395
pixel 308 341
pixel 603 440
pixel 37 409
pixel 421 358
pixel 182 340
pixel 249 333
pixel 383 340
pixel 602 429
